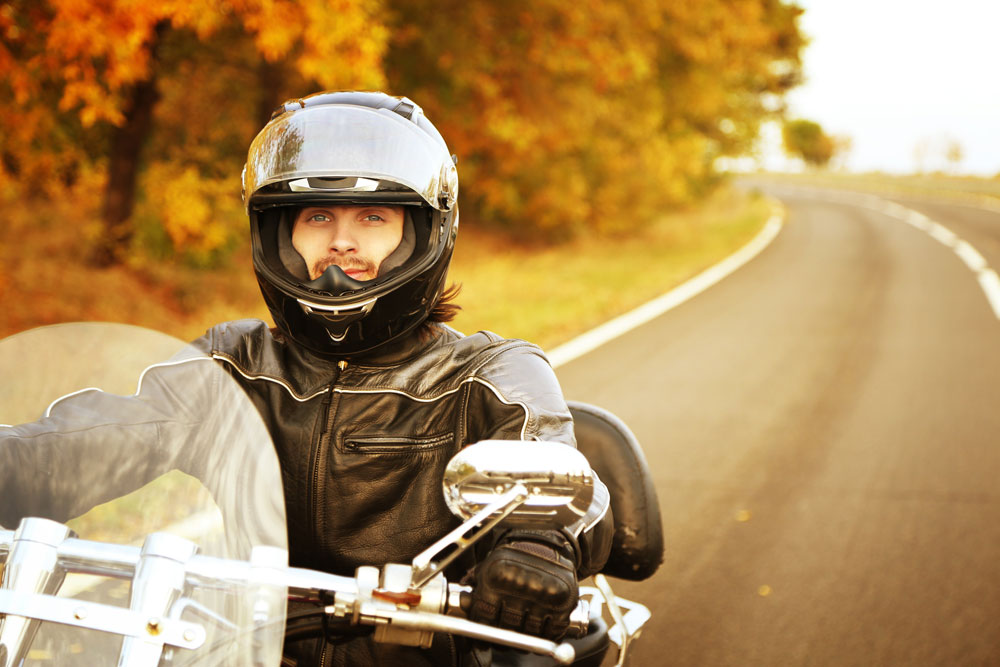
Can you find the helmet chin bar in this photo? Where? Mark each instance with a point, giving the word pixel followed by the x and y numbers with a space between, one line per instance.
pixel 337 319
pixel 335 281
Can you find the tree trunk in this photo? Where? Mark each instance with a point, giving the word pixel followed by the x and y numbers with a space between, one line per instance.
pixel 123 164
pixel 271 78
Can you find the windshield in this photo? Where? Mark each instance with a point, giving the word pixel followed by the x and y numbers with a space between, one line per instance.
pixel 118 433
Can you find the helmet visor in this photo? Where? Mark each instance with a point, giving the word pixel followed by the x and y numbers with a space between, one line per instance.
pixel 340 150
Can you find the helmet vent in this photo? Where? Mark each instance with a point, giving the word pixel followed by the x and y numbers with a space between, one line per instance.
pixel 334 184
pixel 405 109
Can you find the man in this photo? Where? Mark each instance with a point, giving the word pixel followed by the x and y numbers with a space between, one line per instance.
pixel 352 200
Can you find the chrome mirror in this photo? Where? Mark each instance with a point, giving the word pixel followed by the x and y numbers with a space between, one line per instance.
pixel 517 482
pixel 557 477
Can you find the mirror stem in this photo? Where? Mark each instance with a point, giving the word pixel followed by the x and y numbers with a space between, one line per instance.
pixel 424 568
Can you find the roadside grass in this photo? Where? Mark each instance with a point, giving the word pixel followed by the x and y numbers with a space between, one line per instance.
pixel 127 520
pixel 961 189
pixel 546 294
pixel 550 294
pixel 543 293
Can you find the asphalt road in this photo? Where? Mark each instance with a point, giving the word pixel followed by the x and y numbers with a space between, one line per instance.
pixel 824 433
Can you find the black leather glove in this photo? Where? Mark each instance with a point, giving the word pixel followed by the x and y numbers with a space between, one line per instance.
pixel 527 583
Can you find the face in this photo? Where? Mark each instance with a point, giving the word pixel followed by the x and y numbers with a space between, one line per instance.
pixel 355 238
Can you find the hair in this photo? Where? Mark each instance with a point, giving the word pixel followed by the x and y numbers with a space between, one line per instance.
pixel 445 310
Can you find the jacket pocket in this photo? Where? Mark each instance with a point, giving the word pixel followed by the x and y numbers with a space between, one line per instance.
pixel 392 444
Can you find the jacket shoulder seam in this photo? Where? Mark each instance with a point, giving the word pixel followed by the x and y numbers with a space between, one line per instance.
pixel 301 398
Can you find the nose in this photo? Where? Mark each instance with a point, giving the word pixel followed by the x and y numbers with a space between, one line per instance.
pixel 342 238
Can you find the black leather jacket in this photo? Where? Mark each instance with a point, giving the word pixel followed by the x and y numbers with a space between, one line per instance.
pixel 363 444
pixel 362 447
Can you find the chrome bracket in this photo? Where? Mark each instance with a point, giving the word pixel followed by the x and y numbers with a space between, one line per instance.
pixel 96 616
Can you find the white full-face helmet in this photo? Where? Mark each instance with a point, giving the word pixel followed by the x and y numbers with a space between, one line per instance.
pixel 357 148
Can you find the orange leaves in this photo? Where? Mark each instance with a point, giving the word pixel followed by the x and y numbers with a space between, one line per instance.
pixel 97 48
pixel 566 116
pixel 343 42
pixel 590 114
pixel 275 25
pixel 71 69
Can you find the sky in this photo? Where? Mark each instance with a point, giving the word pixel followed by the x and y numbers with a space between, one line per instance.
pixel 895 74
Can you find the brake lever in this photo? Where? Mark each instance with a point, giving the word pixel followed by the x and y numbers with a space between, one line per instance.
pixel 408 620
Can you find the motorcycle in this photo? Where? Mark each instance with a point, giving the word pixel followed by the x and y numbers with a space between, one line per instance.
pixel 150 525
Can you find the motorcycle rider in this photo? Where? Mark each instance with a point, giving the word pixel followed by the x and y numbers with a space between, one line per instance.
pixel 352 203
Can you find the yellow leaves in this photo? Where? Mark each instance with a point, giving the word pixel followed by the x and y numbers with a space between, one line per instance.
pixel 343 43
pixel 566 116
pixel 591 115
pixel 200 215
pixel 95 49
pixel 275 24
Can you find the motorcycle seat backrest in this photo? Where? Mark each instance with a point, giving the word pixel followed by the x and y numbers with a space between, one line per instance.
pixel 616 456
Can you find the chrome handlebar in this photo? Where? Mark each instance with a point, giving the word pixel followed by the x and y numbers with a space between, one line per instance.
pixel 40 553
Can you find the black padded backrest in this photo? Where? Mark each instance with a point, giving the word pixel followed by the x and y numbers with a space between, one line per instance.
pixel 615 454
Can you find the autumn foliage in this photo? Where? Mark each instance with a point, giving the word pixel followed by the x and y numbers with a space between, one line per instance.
pixel 806 139
pixel 566 117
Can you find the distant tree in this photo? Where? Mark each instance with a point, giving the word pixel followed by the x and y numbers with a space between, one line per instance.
pixel 807 140
pixel 955 154
pixel 842 145
pixel 921 151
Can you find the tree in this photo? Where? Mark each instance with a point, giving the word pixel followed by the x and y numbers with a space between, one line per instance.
pixel 93 72
pixel 807 140
pixel 567 117
pixel 954 154
pixel 592 115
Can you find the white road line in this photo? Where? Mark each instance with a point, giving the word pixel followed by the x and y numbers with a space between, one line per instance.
pixel 600 335
pixel 965 251
pixel 990 283
pixel 942 234
pixel 971 257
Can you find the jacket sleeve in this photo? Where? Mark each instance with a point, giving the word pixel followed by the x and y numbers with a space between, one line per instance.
pixel 517 396
pixel 91 447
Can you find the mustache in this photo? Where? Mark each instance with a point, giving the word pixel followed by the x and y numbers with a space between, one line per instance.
pixel 345 262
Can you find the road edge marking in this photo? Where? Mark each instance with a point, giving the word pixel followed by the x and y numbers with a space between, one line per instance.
pixel 985 275
pixel 965 251
pixel 591 340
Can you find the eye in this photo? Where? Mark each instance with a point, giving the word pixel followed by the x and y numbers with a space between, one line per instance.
pixel 318 218
pixel 373 217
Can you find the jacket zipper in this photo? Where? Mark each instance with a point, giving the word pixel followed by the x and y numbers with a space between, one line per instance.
pixel 318 508
pixel 319 456
pixel 396 444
